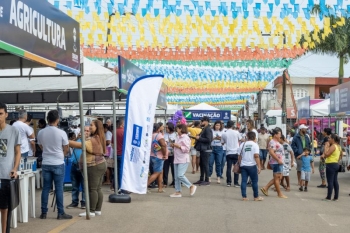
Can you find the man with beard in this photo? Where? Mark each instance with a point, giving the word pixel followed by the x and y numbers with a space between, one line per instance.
pixel 299 143
pixel 203 145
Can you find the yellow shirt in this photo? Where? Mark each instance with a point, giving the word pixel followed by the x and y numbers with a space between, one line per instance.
pixel 315 144
pixel 334 157
pixel 194 132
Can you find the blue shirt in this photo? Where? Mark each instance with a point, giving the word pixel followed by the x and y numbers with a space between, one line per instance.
pixel 76 154
pixel 306 161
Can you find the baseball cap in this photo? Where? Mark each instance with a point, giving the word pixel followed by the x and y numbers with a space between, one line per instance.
pixel 205 118
pixel 302 126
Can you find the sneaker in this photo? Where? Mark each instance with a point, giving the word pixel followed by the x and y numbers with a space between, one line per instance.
pixel 64 216
pixel 305 189
pixel 72 206
pixel 98 213
pixel 42 216
pixel 218 180
pixel 301 189
pixel 193 189
pixel 236 185
pixel 322 186
pixel 205 183
pixel 82 206
pixel 209 179
pixel 228 185
pixel 84 214
pixel 175 195
pixel 249 184
pixel 198 182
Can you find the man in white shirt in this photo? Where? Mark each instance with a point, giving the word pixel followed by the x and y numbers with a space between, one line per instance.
pixel 31 152
pixel 231 138
pixel 263 140
pixel 54 144
pixel 26 133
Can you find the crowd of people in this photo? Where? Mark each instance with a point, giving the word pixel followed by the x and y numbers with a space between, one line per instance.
pixel 174 147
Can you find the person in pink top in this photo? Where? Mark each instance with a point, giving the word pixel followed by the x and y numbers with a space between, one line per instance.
pixel 182 148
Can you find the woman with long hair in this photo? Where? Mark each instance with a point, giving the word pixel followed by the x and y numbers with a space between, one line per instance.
pixel 332 157
pixel 159 153
pixel 218 151
pixel 276 163
pixel 96 165
pixel 169 138
pixel 182 146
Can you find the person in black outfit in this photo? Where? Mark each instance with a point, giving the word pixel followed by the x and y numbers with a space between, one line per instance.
pixel 203 145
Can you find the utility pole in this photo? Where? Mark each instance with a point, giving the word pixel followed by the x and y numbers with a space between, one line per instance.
pixel 284 94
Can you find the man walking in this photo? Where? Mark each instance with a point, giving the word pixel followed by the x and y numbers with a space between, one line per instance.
pixel 203 145
pixel 76 175
pixel 299 143
pixel 231 138
pixel 54 144
pixel 263 139
pixel 10 157
pixel 26 133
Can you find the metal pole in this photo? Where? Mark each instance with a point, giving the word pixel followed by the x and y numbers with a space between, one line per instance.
pixel 83 147
pixel 115 144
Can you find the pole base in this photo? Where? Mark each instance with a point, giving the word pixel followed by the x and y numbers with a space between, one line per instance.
pixel 119 198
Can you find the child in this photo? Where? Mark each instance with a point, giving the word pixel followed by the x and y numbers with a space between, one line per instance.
pixel 306 168
pixel 315 146
pixel 288 160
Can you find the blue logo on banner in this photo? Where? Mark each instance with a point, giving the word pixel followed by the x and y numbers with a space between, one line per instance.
pixel 136 135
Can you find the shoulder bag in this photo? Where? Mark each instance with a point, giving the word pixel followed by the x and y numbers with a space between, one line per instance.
pixel 237 166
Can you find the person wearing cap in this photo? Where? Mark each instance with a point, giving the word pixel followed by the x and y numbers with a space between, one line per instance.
pixel 300 141
pixel 203 145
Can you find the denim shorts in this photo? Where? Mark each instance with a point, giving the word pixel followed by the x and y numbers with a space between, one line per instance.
pixel 277 168
pixel 157 164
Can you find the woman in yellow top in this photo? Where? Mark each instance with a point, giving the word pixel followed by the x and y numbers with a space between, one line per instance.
pixel 96 165
pixel 332 157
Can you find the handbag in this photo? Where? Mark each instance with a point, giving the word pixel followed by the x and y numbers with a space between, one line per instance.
pixel 269 166
pixel 14 191
pixel 341 166
pixel 237 166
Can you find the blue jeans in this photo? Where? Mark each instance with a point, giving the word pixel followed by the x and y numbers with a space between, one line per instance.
pixel 332 180
pixel 52 173
pixel 180 170
pixel 77 181
pixel 223 161
pixel 231 161
pixel 252 172
pixel 216 156
pixel 263 154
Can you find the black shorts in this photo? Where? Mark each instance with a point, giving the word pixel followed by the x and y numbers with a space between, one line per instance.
pixel 4 194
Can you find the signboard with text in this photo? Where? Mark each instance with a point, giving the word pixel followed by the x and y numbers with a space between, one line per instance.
pixel 304 107
pixel 38 31
pixel 340 99
pixel 214 115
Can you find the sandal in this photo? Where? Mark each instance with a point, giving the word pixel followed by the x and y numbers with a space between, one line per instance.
pixel 193 172
pixel 264 191
pixel 161 191
pixel 284 197
pixel 287 189
pixel 326 199
pixel 258 199
pixel 245 199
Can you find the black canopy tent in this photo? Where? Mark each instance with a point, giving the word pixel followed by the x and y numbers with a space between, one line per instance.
pixel 33 35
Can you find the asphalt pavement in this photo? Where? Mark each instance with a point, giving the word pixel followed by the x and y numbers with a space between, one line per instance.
pixel 215 208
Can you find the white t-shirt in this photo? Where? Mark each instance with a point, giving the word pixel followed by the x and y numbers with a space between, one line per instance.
pixel 231 139
pixel 25 131
pixel 52 140
pixel 30 152
pixel 224 146
pixel 216 142
pixel 108 136
pixel 76 131
pixel 249 150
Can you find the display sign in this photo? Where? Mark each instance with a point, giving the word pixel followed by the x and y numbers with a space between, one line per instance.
pixel 291 113
pixel 340 99
pixel 304 107
pixel 129 72
pixel 140 112
pixel 34 115
pixel 38 31
pixel 194 115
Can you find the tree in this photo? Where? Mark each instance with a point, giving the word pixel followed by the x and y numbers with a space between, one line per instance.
pixel 333 39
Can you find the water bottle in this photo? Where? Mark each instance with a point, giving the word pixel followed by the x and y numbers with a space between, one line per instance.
pixel 34 166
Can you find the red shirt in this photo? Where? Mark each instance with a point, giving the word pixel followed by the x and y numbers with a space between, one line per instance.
pixel 120 141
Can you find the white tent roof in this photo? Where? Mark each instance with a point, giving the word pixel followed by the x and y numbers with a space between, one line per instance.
pixel 203 106
pixel 320 109
pixel 315 65
pixel 95 77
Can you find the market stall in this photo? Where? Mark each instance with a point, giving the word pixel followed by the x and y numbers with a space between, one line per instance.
pixel 56 45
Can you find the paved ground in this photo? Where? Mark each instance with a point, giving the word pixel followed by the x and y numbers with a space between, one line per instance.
pixel 213 209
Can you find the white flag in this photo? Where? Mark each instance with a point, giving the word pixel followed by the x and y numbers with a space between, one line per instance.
pixel 140 111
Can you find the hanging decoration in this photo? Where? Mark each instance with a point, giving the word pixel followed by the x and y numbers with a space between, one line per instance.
pixel 209 51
